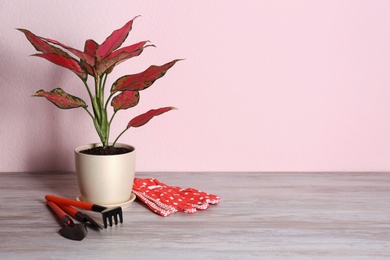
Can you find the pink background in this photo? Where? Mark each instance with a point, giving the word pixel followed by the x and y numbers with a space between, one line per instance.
pixel 294 85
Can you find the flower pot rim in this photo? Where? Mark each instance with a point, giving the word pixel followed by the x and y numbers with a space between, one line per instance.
pixel 92 145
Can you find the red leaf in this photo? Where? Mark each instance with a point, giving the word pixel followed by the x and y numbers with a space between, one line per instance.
pixel 90 48
pixel 90 70
pixel 37 42
pixel 83 56
pixel 53 54
pixel 61 99
pixel 65 61
pixel 128 49
pixel 125 100
pixel 141 80
pixel 120 56
pixel 144 118
pixel 114 41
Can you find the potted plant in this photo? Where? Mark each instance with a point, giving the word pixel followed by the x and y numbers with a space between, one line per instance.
pixel 105 171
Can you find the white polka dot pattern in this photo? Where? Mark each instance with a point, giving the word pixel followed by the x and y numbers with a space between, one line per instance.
pixel 165 200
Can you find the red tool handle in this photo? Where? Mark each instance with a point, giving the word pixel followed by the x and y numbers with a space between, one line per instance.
pixel 60 213
pixel 70 210
pixel 75 203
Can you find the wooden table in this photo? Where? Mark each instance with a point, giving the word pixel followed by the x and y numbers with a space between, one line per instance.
pixel 261 215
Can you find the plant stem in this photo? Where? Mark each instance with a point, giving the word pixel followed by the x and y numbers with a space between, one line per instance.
pixel 108 100
pixel 101 93
pixel 104 81
pixel 87 87
pixel 96 117
pixel 112 117
pixel 113 144
pixel 93 118
pixel 101 113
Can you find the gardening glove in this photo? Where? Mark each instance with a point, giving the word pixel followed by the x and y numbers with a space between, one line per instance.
pixel 145 190
pixel 186 200
pixel 165 200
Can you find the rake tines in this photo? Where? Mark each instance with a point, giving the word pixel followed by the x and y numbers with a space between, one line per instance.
pixel 109 214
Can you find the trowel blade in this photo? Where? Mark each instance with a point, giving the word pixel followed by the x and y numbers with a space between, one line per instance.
pixel 75 232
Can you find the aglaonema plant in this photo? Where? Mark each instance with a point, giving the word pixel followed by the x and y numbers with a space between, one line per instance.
pixel 98 61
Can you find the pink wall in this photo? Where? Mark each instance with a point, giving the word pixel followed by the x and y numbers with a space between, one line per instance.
pixel 266 85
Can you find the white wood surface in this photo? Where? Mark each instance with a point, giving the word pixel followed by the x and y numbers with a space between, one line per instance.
pixel 260 216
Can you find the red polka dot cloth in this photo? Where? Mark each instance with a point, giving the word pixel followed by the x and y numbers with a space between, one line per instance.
pixel 165 200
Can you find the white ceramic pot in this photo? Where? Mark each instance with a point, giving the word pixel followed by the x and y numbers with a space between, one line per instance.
pixel 105 179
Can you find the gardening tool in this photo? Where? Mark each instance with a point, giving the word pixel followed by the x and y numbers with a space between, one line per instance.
pixel 69 230
pixel 107 213
pixel 80 216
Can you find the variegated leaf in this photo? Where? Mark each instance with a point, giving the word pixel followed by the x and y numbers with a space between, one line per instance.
pixel 83 56
pixel 65 61
pixel 61 99
pixel 144 118
pixel 90 48
pixel 114 41
pixel 125 100
pixel 119 56
pixel 53 54
pixel 89 69
pixel 141 80
pixel 38 43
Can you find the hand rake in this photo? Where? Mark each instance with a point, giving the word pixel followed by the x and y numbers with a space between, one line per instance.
pixel 108 214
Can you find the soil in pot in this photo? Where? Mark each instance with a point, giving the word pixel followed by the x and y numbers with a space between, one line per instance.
pixel 110 150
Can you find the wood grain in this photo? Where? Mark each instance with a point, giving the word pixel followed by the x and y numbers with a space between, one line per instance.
pixel 261 215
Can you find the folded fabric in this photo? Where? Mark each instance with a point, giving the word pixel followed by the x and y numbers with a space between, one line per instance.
pixel 165 200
